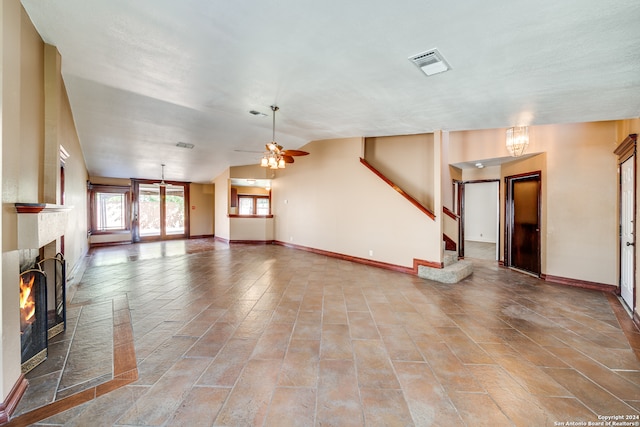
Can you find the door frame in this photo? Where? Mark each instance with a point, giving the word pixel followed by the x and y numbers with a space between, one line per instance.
pixel 135 207
pixel 509 218
pixel 461 212
pixel 626 151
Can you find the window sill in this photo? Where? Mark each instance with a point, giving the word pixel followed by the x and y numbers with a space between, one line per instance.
pixel 248 216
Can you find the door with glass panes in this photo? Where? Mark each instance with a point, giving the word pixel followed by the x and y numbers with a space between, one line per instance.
pixel 160 211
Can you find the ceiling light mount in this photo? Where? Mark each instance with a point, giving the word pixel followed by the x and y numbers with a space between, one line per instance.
pixel 430 62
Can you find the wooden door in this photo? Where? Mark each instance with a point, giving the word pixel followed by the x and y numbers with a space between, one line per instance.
pixel 523 222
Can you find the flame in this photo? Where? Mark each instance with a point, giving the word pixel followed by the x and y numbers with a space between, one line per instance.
pixel 27 302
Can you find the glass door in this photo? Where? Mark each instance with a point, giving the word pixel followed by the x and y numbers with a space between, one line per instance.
pixel 174 210
pixel 160 211
pixel 149 210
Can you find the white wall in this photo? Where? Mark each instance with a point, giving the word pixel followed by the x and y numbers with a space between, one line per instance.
pixel 481 212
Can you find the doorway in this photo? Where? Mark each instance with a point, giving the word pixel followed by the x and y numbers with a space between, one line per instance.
pixel 479 219
pixel 522 222
pixel 160 211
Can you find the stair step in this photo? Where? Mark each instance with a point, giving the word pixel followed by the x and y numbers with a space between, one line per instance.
pixel 450 274
pixel 450 257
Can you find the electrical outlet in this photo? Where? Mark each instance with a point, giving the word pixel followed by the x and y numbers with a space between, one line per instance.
pixel 370 252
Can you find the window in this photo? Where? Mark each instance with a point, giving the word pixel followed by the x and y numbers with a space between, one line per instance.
pixel 109 206
pixel 253 205
pixel 262 206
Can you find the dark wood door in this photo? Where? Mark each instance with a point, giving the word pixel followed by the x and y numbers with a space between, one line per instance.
pixel 523 222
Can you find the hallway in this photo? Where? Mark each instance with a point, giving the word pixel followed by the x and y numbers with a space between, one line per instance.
pixel 266 335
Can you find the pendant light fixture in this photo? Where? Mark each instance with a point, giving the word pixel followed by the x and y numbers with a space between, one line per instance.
pixel 162 183
pixel 517 140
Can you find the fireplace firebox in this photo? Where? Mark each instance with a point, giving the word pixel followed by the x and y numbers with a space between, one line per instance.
pixel 33 318
pixel 55 270
pixel 42 306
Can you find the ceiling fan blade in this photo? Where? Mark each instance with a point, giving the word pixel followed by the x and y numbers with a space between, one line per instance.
pixel 287 159
pixel 295 153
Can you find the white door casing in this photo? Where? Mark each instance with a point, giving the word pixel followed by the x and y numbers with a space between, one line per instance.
pixel 627 238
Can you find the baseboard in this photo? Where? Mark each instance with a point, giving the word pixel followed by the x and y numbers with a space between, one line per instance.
pixel 379 264
pixel 251 242
pixel 584 284
pixel 636 319
pixel 202 236
pixel 13 398
pixel 221 239
pixel 102 244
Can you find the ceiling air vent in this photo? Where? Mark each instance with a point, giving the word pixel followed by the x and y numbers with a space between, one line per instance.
pixel 430 62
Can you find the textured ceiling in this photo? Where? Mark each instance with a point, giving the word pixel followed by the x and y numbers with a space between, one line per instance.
pixel 143 75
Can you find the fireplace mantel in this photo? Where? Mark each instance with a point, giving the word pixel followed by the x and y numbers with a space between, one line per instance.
pixel 40 223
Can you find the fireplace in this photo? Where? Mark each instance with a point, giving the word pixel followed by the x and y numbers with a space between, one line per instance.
pixel 42 305
pixel 33 318
pixel 42 278
pixel 56 277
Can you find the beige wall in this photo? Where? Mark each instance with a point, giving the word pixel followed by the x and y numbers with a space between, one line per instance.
pixel 407 160
pixel 22 144
pixel 76 242
pixel 221 206
pixel 627 127
pixel 30 161
pixel 578 229
pixel 11 14
pixel 251 229
pixel 250 172
pixel 332 202
pixel 201 210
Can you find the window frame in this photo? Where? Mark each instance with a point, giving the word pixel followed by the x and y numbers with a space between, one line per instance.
pixel 95 189
pixel 254 198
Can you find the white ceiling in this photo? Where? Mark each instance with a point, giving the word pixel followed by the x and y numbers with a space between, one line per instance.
pixel 143 75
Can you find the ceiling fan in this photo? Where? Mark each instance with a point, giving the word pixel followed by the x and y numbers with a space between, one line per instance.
pixel 276 157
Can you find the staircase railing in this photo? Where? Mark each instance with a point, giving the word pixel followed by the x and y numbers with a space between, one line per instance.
pixel 403 193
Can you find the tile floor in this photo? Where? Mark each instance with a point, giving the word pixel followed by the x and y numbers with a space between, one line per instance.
pixel 264 335
pixel 479 250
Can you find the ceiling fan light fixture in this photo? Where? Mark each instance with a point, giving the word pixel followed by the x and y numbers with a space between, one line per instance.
pixel 276 157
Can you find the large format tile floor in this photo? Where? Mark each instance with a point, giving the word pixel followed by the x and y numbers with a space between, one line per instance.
pixel 265 335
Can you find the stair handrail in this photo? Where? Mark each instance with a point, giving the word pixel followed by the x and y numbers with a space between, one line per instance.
pixel 403 193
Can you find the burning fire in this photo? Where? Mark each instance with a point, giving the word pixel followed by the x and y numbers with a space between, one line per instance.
pixel 27 302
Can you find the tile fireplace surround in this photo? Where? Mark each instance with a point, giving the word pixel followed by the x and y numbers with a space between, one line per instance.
pixel 202 333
